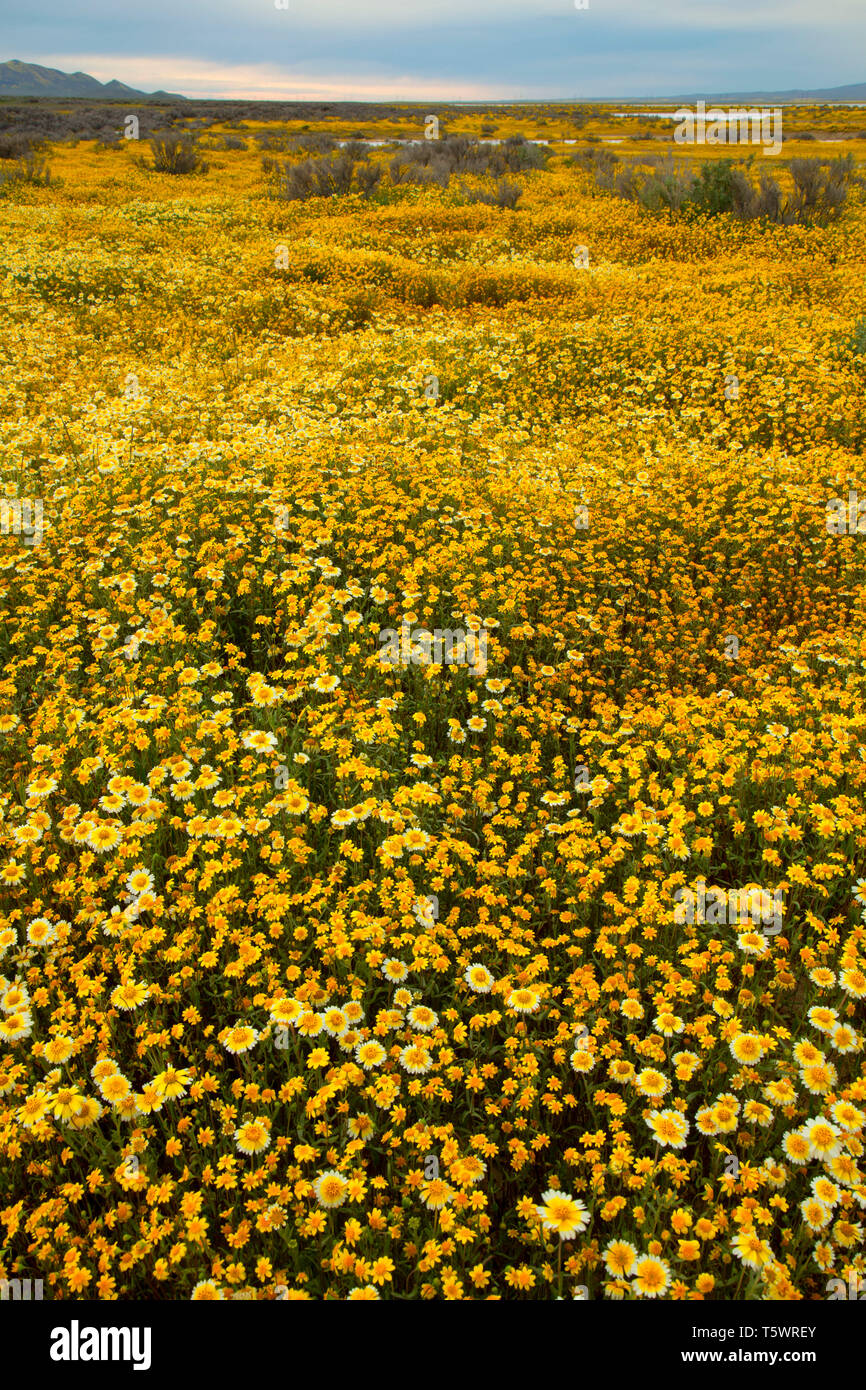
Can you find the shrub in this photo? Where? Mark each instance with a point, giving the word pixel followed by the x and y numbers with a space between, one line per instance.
pixel 600 163
pixel 30 169
pixel 656 183
pixel 821 186
pixel 714 188
pixel 858 338
pixel 17 145
pixel 323 178
pixel 435 161
pixel 721 186
pixel 503 195
pixel 176 153
pixel 227 142
pixel 313 144
pixel 668 186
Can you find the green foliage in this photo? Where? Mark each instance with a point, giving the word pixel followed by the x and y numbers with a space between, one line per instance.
pixel 714 188
pixel 820 187
pixel 31 169
pixel 176 153
pixel 338 173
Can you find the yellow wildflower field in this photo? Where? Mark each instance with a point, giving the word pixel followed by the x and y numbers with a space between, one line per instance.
pixel 433 732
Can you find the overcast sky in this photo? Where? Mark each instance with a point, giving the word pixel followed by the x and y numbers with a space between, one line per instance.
pixel 456 49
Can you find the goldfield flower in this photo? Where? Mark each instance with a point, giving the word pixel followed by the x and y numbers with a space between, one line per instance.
pixel 816 1214
pixel 823 1137
pixel 747 1048
pixel 847 1116
pixel 253 1136
pixel 416 1060
pixel 140 881
pixel 564 1215
pixel 172 1083
pixel 751 1250
pixel 331 1189
pixel 478 978
pixel 844 1039
pixel 797 1146
pixel 853 982
pixel 651 1277
pixel 523 1001
pixel 652 1083
pixel 422 1018
pixel 129 996
pixel 669 1128
pixel 16 1026
pixel 240 1038
pixel 287 1011
pixel 361 1126
pixel 436 1194
pixel 370 1055
pixel 41 932
pixel 357 958
pixel 620 1258
pixel 259 741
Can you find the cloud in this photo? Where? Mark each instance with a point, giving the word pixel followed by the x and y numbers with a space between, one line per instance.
pixel 682 15
pixel 449 49
pixel 196 77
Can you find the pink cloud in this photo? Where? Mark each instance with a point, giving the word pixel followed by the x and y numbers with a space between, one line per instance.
pixel 266 82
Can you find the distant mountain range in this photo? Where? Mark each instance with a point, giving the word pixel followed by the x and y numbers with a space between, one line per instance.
pixel 19 79
pixel 30 80
pixel 855 92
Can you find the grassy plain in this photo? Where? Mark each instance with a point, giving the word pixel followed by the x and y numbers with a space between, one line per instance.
pixel 322 976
